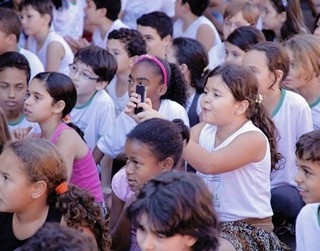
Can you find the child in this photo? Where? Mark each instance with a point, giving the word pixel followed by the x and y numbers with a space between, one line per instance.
pixel 149 151
pixel 156 29
pixel 125 45
pixel 192 23
pixel 240 41
pixel 10 27
pixel 4 130
pixel 187 220
pixel 240 185
pixel 308 180
pixel 270 63
pixel 92 70
pixel 282 19
pixel 166 89
pixel 53 237
pixel 132 10
pixel 237 14
pixel 303 76
pixel 14 79
pixel 103 15
pixel 34 191
pixel 192 58
pixel 51 97
pixel 68 18
pixel 51 48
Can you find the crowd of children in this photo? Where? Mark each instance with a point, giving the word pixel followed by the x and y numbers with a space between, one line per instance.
pixel 136 125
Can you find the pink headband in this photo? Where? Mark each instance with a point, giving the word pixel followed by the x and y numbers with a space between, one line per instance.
pixel 158 62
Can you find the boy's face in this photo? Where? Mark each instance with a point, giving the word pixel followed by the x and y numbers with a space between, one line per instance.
pixel 91 12
pixel 13 89
pixel 85 81
pixel 117 49
pixel 155 45
pixel 308 180
pixel 32 22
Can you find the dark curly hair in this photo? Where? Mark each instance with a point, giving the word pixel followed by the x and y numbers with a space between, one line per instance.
pixel 134 43
pixel 79 210
pixel 54 236
pixel 178 203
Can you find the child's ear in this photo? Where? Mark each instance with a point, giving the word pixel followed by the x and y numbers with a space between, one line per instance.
pixel 102 12
pixel 190 241
pixel 167 40
pixel 283 17
pixel 12 39
pixel 279 75
pixel 242 107
pixel 101 85
pixel 167 164
pixel 39 188
pixel 47 18
pixel 59 106
pixel 162 90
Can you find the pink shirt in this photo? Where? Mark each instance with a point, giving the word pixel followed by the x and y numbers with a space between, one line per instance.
pixel 84 172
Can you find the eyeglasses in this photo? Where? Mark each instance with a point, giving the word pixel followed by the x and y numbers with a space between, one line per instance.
pixel 74 69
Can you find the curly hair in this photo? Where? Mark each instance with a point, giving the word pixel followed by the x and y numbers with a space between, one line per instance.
pixel 54 236
pixel 178 203
pixel 79 210
pixel 134 43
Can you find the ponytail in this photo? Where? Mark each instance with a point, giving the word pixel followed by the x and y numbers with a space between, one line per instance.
pixel 262 120
pixel 80 211
pixel 177 86
pixel 185 132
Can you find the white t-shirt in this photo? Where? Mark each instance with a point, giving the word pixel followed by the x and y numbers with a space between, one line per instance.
pixel 36 65
pixel 242 193
pixel 217 55
pixel 95 117
pixel 133 9
pixel 112 143
pixel 315 111
pixel 69 20
pixel 42 53
pixel 100 41
pixel 193 28
pixel 292 117
pixel 308 228
pixel 119 102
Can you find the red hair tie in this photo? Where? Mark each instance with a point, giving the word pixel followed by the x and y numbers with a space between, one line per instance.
pixel 62 188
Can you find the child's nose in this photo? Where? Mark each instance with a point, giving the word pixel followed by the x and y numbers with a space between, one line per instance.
pixel 147 243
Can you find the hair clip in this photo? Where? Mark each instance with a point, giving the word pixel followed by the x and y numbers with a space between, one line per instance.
pixel 62 188
pixel 284 3
pixel 259 99
pixel 67 119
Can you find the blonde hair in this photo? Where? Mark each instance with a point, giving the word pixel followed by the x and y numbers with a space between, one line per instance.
pixel 306 53
pixel 249 11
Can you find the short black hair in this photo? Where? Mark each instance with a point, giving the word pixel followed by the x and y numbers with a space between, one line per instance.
pixel 159 21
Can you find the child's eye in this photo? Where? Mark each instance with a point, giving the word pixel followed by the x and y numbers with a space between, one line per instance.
pixel 130 82
pixel 306 171
pixel 161 235
pixel 4 87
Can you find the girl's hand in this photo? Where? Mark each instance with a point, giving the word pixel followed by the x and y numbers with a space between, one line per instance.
pixel 148 112
pixel 131 105
pixel 21 133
